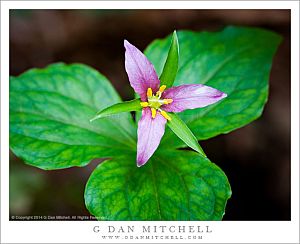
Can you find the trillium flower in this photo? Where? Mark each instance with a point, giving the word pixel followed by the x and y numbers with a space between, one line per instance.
pixel 158 102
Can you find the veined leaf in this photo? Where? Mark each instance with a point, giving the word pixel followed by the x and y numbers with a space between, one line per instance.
pixel 169 72
pixel 174 185
pixel 184 133
pixel 236 61
pixel 133 105
pixel 49 117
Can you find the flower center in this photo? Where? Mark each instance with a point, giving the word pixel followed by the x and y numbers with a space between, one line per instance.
pixel 154 102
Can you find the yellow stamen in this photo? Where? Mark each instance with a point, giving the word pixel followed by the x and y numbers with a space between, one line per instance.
pixel 162 88
pixel 149 92
pixel 158 94
pixel 168 101
pixel 153 111
pixel 144 104
pixel 163 113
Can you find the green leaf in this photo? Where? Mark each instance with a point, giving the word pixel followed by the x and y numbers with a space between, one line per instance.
pixel 133 105
pixel 184 133
pixel 50 111
pixel 169 72
pixel 175 185
pixel 236 61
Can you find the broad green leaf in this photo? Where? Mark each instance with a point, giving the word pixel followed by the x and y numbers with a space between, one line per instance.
pixel 184 133
pixel 169 72
pixel 133 105
pixel 175 185
pixel 236 61
pixel 50 111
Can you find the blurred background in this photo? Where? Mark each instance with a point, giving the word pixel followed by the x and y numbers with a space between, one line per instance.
pixel 256 158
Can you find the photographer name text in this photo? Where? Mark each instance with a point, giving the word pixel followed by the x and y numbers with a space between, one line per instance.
pixel 153 229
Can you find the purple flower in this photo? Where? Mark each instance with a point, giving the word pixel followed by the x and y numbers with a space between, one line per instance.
pixel 157 101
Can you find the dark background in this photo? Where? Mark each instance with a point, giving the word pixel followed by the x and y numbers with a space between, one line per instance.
pixel 256 158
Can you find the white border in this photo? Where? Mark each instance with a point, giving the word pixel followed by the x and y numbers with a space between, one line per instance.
pixel 82 232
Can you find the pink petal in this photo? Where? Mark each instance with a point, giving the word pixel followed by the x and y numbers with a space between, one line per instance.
pixel 190 97
pixel 140 70
pixel 150 132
